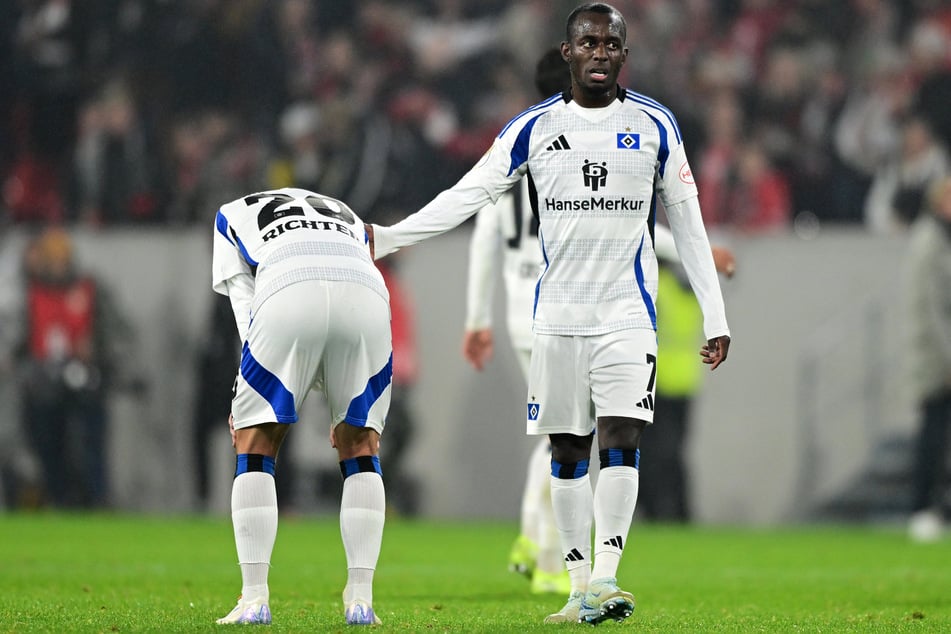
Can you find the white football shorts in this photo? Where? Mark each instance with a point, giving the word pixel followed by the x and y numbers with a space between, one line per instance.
pixel 331 335
pixel 575 380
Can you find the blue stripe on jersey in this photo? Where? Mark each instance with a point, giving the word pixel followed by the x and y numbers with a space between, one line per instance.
pixel 221 224
pixel 639 274
pixel 268 386
pixel 663 152
pixel 244 253
pixel 538 106
pixel 360 406
pixel 520 149
pixel 538 284
pixel 647 101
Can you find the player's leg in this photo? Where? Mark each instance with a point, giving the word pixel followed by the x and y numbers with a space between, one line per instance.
pixel 254 517
pixel 572 505
pixel 362 516
pixel 356 372
pixel 559 406
pixel 622 391
pixel 278 363
pixel 550 576
pixel 926 523
pixel 523 555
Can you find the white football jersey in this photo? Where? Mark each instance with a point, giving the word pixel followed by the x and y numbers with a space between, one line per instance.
pixel 290 235
pixel 506 236
pixel 595 173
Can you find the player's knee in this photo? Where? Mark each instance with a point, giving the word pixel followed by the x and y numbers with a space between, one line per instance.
pixel 263 439
pixel 352 441
pixel 568 448
pixel 615 432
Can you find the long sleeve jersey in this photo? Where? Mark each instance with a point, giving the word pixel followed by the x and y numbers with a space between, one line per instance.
pixel 506 238
pixel 595 176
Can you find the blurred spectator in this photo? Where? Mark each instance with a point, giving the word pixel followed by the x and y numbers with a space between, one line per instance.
pixel 930 51
pixel 409 94
pixel 217 155
pixel 929 319
pixel 19 468
pixel 298 161
pixel 118 180
pixel 49 56
pixel 898 189
pixel 32 191
pixel 868 129
pixel 76 350
pixel 717 158
pixel 761 200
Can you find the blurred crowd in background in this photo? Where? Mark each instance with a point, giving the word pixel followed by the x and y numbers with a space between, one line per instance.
pixel 152 113
pixel 119 112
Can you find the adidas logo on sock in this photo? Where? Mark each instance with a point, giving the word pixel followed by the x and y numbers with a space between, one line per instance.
pixel 647 403
pixel 574 555
pixel 617 541
pixel 561 143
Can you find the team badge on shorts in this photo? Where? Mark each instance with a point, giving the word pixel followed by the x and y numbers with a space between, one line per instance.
pixel 533 410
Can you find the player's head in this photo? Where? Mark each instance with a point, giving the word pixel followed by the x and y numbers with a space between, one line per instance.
pixel 595 52
pixel 551 73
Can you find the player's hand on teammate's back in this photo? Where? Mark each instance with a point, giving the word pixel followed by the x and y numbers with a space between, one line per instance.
pixel 714 352
pixel 477 347
pixel 369 229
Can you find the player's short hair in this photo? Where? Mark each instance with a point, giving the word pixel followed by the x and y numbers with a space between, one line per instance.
pixel 594 7
pixel 552 74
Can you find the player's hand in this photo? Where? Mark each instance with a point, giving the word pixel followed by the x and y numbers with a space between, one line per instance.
pixel 724 260
pixel 234 440
pixel 477 347
pixel 715 351
pixel 369 229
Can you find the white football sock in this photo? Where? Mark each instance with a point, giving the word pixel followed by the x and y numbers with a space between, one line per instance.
pixel 572 503
pixel 537 492
pixel 614 499
pixel 550 559
pixel 254 516
pixel 362 514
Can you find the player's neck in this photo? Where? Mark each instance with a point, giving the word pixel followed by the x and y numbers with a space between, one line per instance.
pixel 588 99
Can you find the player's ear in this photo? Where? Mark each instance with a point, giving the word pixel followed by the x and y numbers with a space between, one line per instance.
pixel 566 51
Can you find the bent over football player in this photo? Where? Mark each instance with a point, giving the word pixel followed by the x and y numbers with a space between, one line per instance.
pixel 312 310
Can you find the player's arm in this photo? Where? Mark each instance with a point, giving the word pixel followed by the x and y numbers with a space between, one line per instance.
pixel 498 169
pixel 696 256
pixel 231 273
pixel 484 257
pixel 666 249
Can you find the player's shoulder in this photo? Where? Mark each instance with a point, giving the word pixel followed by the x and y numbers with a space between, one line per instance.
pixel 653 108
pixel 519 121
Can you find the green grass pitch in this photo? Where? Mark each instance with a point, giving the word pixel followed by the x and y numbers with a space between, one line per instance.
pixel 121 573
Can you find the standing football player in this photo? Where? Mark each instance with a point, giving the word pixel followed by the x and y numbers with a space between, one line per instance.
pixel 597 157
pixel 312 310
